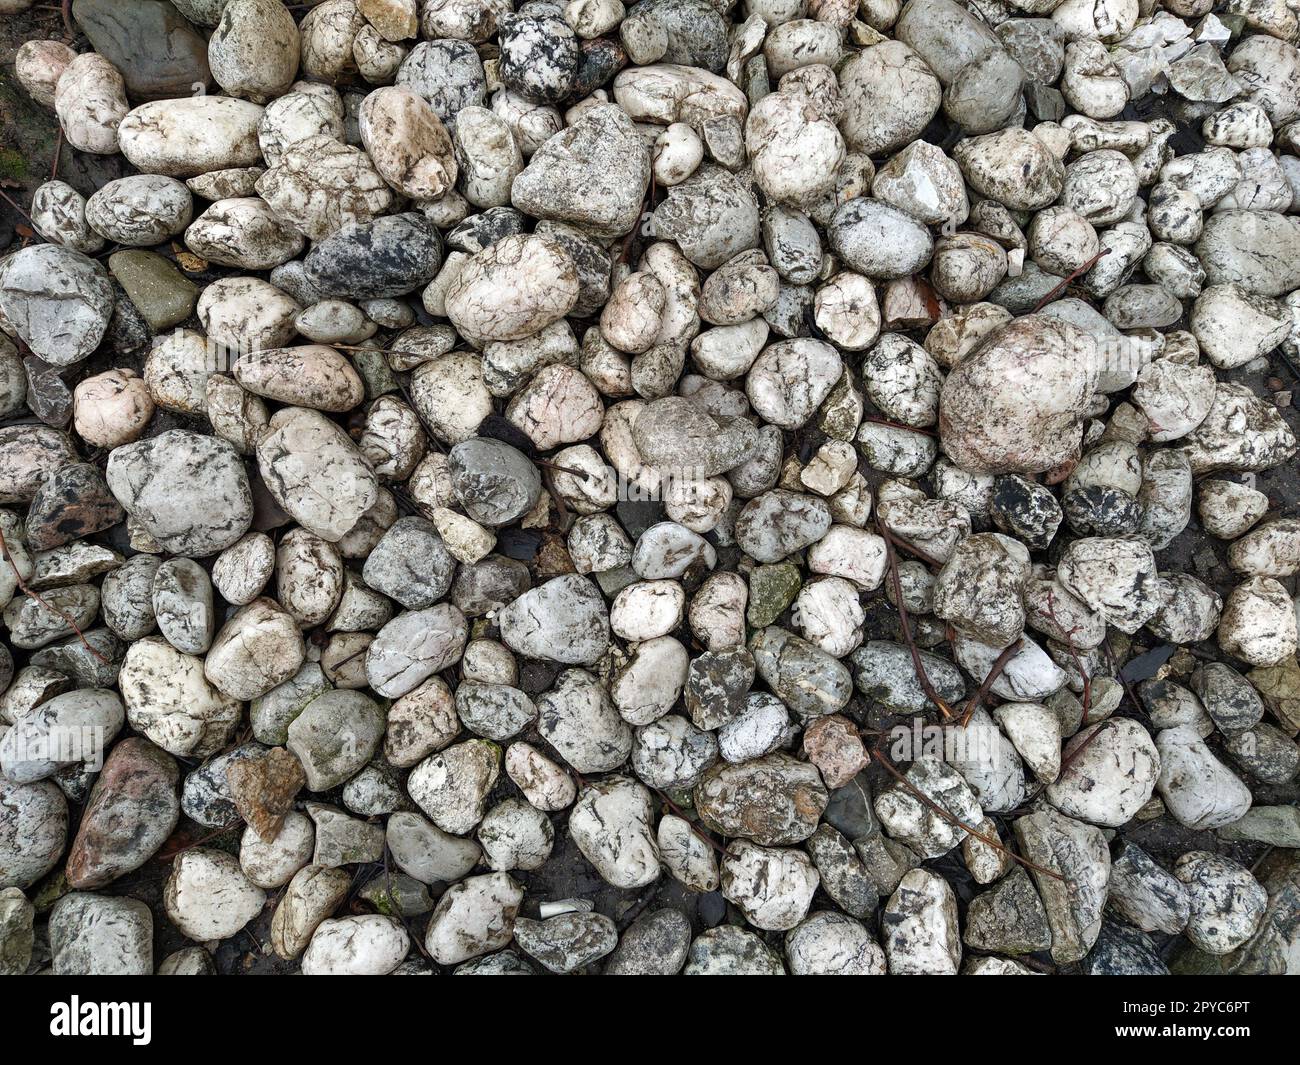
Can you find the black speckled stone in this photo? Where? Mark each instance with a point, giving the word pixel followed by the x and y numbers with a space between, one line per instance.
pixel 539 55
pixel 1026 510
pixel 1099 510
pixel 1123 951
pixel 480 231
pixel 389 256
pixel 73 502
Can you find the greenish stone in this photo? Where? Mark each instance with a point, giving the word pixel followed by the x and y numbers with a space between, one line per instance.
pixel 160 292
pixel 49 891
pixel 375 372
pixel 397 895
pixel 16 936
pixel 842 412
pixel 1278 826
pixel 1234 24
pixel 771 590
pixel 613 581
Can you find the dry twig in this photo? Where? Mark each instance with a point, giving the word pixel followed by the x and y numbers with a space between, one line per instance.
pixel 921 796
pixel 1069 279
pixel 918 666
pixel 45 603
pixel 1008 653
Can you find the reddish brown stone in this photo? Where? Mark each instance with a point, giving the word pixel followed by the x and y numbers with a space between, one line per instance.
pixel 835 748
pixel 132 809
pixel 263 789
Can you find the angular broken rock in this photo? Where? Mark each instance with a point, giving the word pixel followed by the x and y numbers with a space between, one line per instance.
pixel 1078 855
pixel 922 936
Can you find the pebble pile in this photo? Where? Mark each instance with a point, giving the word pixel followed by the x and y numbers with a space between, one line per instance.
pixel 798 486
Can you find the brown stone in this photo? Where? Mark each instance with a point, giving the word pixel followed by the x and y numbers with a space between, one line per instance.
pixel 132 809
pixel 263 789
pixel 835 748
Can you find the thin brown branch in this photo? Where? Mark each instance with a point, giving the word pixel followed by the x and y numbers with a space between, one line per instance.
pixel 918 665
pixel 1074 755
pixel 921 796
pixel 912 549
pixel 546 464
pixel 1119 673
pixel 694 827
pixel 876 419
pixel 13 203
pixel 45 604
pixel 1069 279
pixel 1008 653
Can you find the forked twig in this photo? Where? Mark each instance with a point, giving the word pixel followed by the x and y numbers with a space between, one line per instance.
pixel 1008 653
pixel 996 844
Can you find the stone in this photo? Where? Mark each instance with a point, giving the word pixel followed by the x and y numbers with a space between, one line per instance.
pixel 560 182
pixel 731 951
pixel 1114 776
pixel 262 789
pixel 774 800
pixel 98 935
pixel 160 292
pixel 158 52
pixel 495 483
pixel 451 786
pixel 512 289
pixel 1226 902
pixel 17 936
pixel 365 945
pixel 255 49
pixel 33 831
pixel 311 896
pixel 774 887
pixel 320 186
pixel 808 680
pixel 920 922
pixel 315 472
pixel 567 942
pixel 191 135
pixel 474 917
pixel 370 259
pixel 208 896
pixel 168 699
pixel 1145 895
pixel 655 944
pixel 563 620
pixel 132 809
pixel 1078 854
pixel 189 491
pixel 57 301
